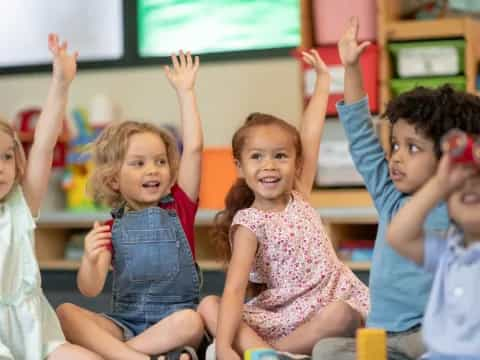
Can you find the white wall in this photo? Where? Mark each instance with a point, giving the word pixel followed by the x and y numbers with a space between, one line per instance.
pixel 227 93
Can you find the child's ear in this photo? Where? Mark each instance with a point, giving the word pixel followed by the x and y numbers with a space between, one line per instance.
pixel 114 183
pixel 239 169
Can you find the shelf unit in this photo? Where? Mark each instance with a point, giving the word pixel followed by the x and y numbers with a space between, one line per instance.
pixel 346 214
pixel 392 28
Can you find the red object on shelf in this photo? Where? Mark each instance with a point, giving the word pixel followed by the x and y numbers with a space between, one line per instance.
pixel 25 123
pixel 357 244
pixel 331 57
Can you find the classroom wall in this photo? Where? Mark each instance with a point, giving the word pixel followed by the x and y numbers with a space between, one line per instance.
pixel 227 93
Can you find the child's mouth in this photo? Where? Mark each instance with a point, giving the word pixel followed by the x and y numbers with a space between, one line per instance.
pixel 151 184
pixel 470 198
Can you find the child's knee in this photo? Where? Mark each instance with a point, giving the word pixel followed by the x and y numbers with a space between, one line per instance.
pixel 345 318
pixel 65 311
pixel 208 306
pixel 192 322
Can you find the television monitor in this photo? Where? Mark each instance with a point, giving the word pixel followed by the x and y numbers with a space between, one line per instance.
pixel 216 26
pixel 94 28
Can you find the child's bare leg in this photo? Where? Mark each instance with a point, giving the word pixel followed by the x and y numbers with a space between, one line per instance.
pixel 72 352
pixel 95 332
pixel 184 327
pixel 336 319
pixel 245 339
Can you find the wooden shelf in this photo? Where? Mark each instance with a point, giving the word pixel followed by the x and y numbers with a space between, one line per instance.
pixel 351 205
pixel 428 29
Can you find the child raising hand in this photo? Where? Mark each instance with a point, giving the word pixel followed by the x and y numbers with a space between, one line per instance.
pixel 29 328
pixel 154 197
pixel 274 238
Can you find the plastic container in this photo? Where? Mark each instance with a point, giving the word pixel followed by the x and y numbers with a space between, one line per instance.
pixel 218 175
pixel 428 58
pixel 330 18
pixel 329 54
pixel 399 86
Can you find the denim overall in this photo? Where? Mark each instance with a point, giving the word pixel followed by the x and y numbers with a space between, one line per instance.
pixel 154 271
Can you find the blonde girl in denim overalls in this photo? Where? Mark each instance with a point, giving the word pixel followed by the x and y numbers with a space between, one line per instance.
pixel 149 242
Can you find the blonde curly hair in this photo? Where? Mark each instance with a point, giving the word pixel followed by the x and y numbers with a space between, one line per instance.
pixel 20 160
pixel 108 153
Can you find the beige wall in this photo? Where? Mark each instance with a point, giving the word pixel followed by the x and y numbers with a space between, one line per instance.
pixel 227 92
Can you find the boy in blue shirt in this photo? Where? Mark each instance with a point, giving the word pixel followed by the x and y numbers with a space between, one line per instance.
pixel 399 289
pixel 451 327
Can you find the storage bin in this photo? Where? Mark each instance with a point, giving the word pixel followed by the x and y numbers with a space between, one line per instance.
pixel 331 57
pixel 428 58
pixel 330 19
pixel 399 86
pixel 218 174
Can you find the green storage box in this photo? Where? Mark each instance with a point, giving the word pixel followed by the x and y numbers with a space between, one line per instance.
pixel 428 58
pixel 399 86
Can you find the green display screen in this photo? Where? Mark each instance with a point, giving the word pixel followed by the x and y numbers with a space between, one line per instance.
pixel 214 26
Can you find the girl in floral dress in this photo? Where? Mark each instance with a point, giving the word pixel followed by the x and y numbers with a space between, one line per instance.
pixel 274 237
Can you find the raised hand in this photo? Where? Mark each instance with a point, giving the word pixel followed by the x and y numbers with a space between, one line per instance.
pixel 97 241
pixel 348 47
pixel 64 64
pixel 312 58
pixel 183 72
pixel 451 176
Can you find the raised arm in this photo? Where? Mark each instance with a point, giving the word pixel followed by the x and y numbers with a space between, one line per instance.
pixel 182 77
pixel 405 232
pixel 350 52
pixel 365 148
pixel 313 120
pixel 231 305
pixel 49 125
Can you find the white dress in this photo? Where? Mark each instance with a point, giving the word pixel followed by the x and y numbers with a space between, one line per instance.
pixel 29 328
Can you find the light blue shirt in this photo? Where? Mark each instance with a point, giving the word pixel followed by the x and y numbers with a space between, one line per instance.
pixel 399 288
pixel 451 327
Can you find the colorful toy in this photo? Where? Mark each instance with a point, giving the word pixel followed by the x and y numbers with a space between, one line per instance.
pixel 371 344
pixel 78 165
pixel 260 354
pixel 461 147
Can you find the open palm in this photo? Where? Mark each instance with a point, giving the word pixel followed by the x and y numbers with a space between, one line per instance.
pixel 348 47
pixel 183 72
pixel 64 64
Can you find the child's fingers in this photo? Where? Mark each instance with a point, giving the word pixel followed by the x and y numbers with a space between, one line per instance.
pixel 174 61
pixel 308 58
pixel 363 46
pixel 182 58
pixel 196 63
pixel 189 59
pixel 53 42
pixel 168 71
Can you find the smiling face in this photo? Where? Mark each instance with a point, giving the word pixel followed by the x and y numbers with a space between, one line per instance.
pixel 412 161
pixel 464 207
pixel 7 164
pixel 145 175
pixel 269 166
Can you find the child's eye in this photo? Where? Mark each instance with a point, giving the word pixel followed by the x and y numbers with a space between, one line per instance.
pixel 395 147
pixel 6 157
pixel 161 162
pixel 281 156
pixel 255 156
pixel 136 163
pixel 413 148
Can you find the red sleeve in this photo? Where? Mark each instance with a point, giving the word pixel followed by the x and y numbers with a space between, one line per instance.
pixel 186 210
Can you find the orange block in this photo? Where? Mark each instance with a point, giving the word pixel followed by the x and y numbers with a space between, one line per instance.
pixel 218 175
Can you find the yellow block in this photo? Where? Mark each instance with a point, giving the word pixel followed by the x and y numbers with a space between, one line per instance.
pixel 371 344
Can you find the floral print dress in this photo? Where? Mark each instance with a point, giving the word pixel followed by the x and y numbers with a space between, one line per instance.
pixel 298 264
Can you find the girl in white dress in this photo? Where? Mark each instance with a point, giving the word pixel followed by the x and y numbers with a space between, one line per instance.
pixel 29 328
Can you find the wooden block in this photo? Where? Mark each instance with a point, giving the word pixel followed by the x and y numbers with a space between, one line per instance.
pixel 371 344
